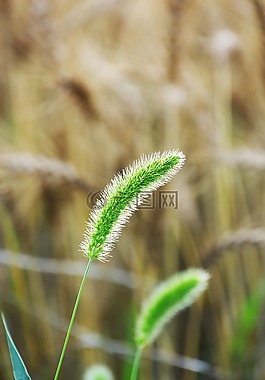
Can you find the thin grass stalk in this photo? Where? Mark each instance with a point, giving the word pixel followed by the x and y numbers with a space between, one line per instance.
pixel 136 363
pixel 69 330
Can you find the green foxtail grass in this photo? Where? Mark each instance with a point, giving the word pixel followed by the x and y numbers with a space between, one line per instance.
pixel 122 197
pixel 169 298
pixel 114 207
pixel 98 372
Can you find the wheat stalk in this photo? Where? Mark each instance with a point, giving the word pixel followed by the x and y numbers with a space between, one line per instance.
pixel 49 170
pixel 243 157
pixel 255 236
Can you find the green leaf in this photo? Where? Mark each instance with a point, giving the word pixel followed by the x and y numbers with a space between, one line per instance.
pixel 19 369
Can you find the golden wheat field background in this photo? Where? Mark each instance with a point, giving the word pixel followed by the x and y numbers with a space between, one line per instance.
pixel 86 87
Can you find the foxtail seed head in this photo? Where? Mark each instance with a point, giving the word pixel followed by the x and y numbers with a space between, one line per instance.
pixel 98 372
pixel 122 197
pixel 168 299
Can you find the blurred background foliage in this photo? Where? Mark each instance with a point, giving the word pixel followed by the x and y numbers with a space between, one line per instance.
pixel 86 87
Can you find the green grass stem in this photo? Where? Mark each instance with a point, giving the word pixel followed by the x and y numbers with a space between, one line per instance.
pixel 69 330
pixel 136 363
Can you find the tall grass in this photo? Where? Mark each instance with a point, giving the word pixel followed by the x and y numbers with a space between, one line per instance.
pixel 91 85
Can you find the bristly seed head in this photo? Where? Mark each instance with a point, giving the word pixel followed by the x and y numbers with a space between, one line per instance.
pixel 169 298
pixel 122 197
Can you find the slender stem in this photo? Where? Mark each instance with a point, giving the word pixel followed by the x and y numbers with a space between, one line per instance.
pixel 136 363
pixel 68 333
